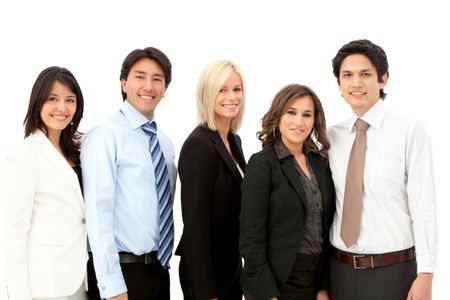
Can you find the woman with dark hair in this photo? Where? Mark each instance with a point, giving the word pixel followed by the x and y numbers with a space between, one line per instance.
pixel 45 229
pixel 288 202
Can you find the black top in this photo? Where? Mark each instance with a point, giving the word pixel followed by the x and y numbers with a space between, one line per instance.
pixel 77 170
pixel 311 242
pixel 210 205
pixel 272 220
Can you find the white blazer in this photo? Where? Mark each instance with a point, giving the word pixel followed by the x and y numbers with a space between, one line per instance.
pixel 45 243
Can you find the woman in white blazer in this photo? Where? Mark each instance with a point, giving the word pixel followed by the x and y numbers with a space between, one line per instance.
pixel 45 228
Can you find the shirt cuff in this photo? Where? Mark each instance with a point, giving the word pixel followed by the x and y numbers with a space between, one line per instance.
pixel 426 263
pixel 112 285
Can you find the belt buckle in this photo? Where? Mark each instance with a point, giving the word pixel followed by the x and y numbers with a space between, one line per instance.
pixel 148 259
pixel 355 257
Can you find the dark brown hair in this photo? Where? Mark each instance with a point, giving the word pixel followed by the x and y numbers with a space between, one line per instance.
pixel 373 52
pixel 70 138
pixel 151 53
pixel 317 141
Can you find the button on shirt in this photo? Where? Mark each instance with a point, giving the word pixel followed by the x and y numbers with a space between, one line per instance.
pixel 398 200
pixel 311 242
pixel 119 188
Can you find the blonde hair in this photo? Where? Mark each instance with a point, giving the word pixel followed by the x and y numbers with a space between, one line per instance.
pixel 210 82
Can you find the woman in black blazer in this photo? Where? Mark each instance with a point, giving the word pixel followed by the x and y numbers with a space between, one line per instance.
pixel 211 167
pixel 288 202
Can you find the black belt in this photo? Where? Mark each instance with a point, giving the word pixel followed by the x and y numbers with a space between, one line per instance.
pixel 370 261
pixel 130 258
pixel 147 258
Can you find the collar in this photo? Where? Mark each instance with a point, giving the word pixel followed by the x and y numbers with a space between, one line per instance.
pixel 282 151
pixel 374 116
pixel 134 117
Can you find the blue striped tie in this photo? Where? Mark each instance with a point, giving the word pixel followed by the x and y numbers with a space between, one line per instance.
pixel 164 197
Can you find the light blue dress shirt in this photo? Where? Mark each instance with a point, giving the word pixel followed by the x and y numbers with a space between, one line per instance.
pixel 120 193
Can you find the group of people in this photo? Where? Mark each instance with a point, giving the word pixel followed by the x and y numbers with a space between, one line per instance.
pixel 341 213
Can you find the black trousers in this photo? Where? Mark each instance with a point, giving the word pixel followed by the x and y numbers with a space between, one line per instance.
pixel 384 283
pixel 301 284
pixel 227 288
pixel 144 282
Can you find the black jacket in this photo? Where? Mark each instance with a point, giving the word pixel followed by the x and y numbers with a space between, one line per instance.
pixel 210 200
pixel 272 219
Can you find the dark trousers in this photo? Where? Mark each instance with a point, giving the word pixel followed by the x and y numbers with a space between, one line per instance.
pixel 144 282
pixel 227 289
pixel 383 283
pixel 301 284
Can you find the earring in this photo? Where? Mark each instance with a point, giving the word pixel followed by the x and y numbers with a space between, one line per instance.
pixel 71 126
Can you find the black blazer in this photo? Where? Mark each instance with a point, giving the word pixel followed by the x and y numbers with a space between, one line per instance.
pixel 210 201
pixel 272 219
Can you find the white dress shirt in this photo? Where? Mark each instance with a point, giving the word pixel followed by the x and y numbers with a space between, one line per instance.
pixel 398 201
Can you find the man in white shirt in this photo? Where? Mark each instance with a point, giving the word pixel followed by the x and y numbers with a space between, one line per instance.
pixel 393 254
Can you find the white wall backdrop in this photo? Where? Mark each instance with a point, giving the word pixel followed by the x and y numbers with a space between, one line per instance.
pixel 274 42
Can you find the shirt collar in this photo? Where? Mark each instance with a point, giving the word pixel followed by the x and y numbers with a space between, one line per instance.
pixel 374 116
pixel 133 116
pixel 282 151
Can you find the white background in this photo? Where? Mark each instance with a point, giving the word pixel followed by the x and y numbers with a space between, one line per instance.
pixel 274 42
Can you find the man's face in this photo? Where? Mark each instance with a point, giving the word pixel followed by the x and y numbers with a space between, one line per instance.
pixel 145 86
pixel 359 83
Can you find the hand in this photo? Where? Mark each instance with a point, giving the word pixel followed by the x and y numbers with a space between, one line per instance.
pixel 322 295
pixel 274 298
pixel 123 296
pixel 421 287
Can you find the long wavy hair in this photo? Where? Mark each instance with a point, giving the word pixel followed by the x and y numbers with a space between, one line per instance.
pixel 317 140
pixel 70 139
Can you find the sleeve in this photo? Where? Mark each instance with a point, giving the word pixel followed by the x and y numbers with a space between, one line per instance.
pixel 421 197
pixel 22 183
pixel 324 264
pixel 98 162
pixel 257 276
pixel 197 169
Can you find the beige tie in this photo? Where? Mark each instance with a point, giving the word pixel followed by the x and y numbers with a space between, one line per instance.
pixel 351 214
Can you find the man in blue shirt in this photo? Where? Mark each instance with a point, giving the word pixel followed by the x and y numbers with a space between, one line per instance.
pixel 122 192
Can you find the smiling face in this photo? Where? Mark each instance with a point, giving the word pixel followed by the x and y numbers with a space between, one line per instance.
pixel 145 86
pixel 296 123
pixel 58 110
pixel 229 100
pixel 359 83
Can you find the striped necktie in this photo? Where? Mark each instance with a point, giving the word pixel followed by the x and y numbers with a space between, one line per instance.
pixel 164 196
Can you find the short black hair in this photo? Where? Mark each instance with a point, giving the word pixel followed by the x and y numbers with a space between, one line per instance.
pixel 151 53
pixel 365 47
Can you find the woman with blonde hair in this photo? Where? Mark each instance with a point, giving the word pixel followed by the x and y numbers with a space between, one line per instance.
pixel 211 166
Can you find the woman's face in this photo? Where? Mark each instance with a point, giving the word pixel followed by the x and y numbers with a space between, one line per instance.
pixel 229 100
pixel 297 122
pixel 58 109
